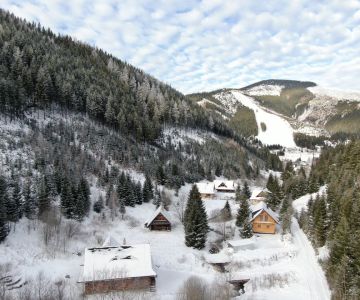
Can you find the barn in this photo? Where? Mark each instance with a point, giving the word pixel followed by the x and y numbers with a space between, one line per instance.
pixel 117 268
pixel 159 220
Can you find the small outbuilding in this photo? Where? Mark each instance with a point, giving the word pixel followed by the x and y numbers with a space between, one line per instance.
pixel 160 220
pixel 206 190
pixel 118 268
pixel 259 195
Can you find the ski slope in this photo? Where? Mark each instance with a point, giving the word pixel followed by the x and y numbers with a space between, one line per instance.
pixel 278 130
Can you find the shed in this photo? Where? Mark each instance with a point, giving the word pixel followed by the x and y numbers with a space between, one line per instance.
pixel 119 268
pixel 206 190
pixel 159 220
pixel 259 195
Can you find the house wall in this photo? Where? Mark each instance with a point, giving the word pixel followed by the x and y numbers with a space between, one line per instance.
pixel 160 223
pixel 105 286
pixel 260 225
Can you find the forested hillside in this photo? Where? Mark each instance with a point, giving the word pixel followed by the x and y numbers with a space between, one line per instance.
pixel 40 68
pixel 334 219
pixel 73 117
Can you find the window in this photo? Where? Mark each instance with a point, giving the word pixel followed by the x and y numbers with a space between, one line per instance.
pixel 259 226
pixel 267 226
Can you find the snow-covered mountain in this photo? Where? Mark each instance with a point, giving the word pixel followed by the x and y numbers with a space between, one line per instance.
pixel 281 107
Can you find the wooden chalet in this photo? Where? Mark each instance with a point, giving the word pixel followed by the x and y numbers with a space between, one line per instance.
pixel 118 268
pixel 159 220
pixel 264 219
pixel 224 186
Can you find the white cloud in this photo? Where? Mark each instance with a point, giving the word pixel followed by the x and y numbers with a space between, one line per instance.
pixel 209 44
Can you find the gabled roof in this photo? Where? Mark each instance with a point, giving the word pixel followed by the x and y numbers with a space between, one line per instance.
pixel 240 243
pixel 256 193
pixel 108 263
pixel 256 207
pixel 269 211
pixel 224 185
pixel 156 213
pixel 205 188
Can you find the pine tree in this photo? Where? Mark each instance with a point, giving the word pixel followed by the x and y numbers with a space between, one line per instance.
pixel 148 189
pixel 84 189
pixel 122 207
pixel 226 211
pixel 138 193
pixel 246 190
pixel 43 198
pixel 246 231
pixel 195 221
pixel 17 199
pixel 320 220
pixel 243 212
pixel 99 205
pixel 157 197
pixel 29 202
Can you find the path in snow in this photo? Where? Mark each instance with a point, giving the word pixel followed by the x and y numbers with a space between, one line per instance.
pixel 310 272
pixel 278 130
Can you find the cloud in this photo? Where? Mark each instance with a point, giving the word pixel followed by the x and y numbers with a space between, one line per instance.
pixel 197 45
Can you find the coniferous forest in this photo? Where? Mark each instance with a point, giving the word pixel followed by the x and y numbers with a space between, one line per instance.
pixel 334 219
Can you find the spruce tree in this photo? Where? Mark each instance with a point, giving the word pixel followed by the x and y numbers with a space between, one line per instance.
pixel 148 189
pixel 226 211
pixel 29 202
pixel 138 193
pixel 243 212
pixel 195 221
pixel 43 198
pixel 99 205
pixel 246 231
pixel 246 190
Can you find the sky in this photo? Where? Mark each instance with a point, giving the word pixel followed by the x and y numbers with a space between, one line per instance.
pixel 205 45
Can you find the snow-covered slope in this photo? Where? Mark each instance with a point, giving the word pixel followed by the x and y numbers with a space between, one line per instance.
pixel 335 93
pixel 277 130
pixel 263 89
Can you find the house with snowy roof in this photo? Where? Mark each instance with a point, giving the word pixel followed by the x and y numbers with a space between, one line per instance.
pixel 224 186
pixel 259 195
pixel 117 268
pixel 206 190
pixel 159 220
pixel 263 219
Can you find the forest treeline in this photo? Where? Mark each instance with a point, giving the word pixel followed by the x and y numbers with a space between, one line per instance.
pixel 332 219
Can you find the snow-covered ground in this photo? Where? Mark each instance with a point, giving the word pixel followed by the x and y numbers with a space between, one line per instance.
pixel 278 130
pixel 335 93
pixel 265 89
pixel 301 203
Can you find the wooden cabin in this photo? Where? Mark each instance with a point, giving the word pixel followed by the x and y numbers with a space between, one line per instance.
pixel 111 269
pixel 264 220
pixel 159 220
pixel 224 186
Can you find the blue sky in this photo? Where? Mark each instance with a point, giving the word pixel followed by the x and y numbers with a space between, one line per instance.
pixel 210 44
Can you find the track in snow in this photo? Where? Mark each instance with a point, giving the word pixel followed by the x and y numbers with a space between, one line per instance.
pixel 309 269
pixel 278 130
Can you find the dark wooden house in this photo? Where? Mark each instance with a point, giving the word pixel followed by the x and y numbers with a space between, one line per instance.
pixel 159 220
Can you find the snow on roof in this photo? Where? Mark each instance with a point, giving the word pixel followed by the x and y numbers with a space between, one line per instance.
pixel 269 211
pixel 258 206
pixel 255 193
pixel 156 213
pixel 239 243
pixel 110 242
pixel 224 185
pixel 218 258
pixel 107 263
pixel 205 188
